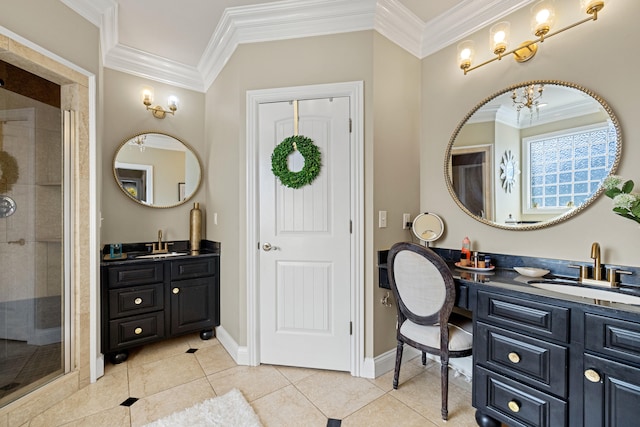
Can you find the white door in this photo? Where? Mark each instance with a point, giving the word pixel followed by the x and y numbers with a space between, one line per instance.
pixel 305 277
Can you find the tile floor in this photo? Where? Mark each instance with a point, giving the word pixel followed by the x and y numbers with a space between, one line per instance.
pixel 168 377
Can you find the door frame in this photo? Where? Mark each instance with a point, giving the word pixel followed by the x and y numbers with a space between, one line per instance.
pixel 353 90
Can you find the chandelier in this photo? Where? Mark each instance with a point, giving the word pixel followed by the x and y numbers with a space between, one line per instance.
pixel 139 142
pixel 530 99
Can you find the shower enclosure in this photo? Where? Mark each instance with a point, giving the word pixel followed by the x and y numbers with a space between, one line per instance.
pixel 33 278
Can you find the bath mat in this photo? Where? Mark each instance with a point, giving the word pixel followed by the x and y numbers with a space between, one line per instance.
pixel 229 410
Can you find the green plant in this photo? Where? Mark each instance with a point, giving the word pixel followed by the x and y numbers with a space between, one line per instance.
pixel 625 202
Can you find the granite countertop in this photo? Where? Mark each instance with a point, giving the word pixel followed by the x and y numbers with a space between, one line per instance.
pixel 132 250
pixel 509 279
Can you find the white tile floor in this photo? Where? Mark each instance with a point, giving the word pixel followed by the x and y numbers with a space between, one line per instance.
pixel 165 378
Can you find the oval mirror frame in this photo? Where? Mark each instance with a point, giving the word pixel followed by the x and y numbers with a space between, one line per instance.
pixel 561 217
pixel 183 191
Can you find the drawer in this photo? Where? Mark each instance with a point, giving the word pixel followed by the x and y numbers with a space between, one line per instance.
pixel 135 300
pixel 138 274
pixel 544 320
pixel 541 364
pixel 514 403
pixel 613 337
pixel 136 330
pixel 189 268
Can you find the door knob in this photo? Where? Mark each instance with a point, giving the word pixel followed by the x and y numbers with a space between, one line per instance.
pixel 267 247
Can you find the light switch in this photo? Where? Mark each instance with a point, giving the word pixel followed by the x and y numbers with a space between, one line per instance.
pixel 382 219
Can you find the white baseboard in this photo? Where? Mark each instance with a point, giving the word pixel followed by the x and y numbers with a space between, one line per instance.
pixel 372 367
pixel 239 354
pixel 380 365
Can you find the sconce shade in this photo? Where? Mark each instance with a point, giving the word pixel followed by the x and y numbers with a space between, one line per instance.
pixel 591 6
pixel 499 37
pixel 543 18
pixel 157 111
pixel 466 52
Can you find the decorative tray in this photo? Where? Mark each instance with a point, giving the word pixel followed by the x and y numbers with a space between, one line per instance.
pixel 457 264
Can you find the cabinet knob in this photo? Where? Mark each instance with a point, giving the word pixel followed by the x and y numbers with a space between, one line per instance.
pixel 514 357
pixel 592 375
pixel 137 331
pixel 137 301
pixel 514 406
pixel 176 291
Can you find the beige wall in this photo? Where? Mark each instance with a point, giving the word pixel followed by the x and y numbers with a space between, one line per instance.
pixel 391 103
pixel 124 116
pixel 591 55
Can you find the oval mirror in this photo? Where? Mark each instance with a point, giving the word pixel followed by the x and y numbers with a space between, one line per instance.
pixel 532 155
pixel 157 169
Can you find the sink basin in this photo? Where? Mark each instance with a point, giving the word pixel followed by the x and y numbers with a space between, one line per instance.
pixel 167 255
pixel 584 292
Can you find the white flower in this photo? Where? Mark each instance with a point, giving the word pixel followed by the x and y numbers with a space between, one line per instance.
pixel 612 181
pixel 625 201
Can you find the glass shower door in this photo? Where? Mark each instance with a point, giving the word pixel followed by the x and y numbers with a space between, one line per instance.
pixel 32 347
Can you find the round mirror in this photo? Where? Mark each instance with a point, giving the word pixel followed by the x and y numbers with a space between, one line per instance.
pixel 156 169
pixel 532 155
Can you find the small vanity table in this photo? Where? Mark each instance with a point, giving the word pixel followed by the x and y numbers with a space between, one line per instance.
pixel 147 299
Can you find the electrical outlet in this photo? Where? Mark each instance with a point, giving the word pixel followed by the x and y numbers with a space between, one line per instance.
pixel 382 219
pixel 406 220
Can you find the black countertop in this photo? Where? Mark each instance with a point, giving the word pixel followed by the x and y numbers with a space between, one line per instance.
pixel 504 277
pixel 133 250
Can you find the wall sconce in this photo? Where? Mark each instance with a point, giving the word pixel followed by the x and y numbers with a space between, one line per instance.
pixel 543 18
pixel 157 111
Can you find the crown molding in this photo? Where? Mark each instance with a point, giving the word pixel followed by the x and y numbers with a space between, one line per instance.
pixel 291 19
pixel 91 10
pixel 464 19
pixel 280 21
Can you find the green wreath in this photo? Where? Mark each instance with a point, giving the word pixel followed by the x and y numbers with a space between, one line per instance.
pixel 8 171
pixel 309 152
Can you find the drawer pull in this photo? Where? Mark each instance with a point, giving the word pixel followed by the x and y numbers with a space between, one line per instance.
pixel 137 301
pixel 592 375
pixel 176 291
pixel 514 406
pixel 137 331
pixel 514 357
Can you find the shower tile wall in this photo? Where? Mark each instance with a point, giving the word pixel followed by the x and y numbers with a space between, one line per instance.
pixel 31 239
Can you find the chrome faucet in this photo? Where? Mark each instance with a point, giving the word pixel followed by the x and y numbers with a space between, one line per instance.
pixel 597 267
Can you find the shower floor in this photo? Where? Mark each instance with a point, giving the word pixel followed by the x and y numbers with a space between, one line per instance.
pixel 22 365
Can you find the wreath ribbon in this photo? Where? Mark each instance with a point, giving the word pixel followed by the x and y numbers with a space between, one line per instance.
pixel 312 161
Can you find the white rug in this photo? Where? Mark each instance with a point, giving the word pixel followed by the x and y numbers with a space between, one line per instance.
pixel 229 410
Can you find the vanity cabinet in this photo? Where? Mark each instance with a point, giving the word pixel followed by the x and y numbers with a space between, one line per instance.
pixel 611 372
pixel 147 301
pixel 521 353
pixel 549 362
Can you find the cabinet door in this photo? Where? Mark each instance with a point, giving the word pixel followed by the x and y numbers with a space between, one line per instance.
pixel 193 305
pixel 611 393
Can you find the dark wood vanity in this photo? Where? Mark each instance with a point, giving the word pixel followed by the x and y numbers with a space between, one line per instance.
pixel 546 359
pixel 148 300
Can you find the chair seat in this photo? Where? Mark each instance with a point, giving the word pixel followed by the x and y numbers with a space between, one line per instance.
pixel 460 333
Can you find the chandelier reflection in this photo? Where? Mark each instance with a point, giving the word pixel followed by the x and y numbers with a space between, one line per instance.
pixel 530 99
pixel 139 142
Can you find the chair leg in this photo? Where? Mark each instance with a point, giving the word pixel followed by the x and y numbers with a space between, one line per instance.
pixel 396 374
pixel 444 376
pixel 424 358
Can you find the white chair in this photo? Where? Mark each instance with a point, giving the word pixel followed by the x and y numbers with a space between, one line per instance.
pixel 425 294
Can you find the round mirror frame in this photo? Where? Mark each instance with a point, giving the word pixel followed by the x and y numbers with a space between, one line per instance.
pixel 129 196
pixel 558 219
